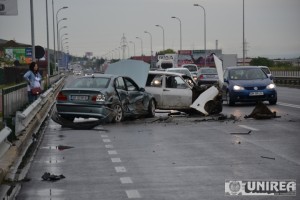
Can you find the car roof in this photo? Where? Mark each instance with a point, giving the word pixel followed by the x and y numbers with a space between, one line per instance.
pixel 165 73
pixel 100 75
pixel 177 68
pixel 243 67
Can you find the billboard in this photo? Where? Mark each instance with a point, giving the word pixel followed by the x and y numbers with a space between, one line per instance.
pixel 199 57
pixel 22 54
pixel 8 7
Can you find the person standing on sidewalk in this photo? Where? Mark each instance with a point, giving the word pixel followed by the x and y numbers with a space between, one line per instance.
pixel 33 78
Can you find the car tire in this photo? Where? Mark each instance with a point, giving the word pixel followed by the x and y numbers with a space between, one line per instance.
pixel 68 118
pixel 119 114
pixel 151 108
pixel 273 101
pixel 228 99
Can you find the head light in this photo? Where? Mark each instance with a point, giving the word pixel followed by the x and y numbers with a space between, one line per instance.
pixel 271 86
pixel 237 88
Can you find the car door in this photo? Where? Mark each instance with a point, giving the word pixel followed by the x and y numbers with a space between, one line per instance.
pixel 176 93
pixel 121 91
pixel 135 96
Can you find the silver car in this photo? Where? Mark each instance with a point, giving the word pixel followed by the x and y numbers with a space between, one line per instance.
pixel 104 96
pixel 207 76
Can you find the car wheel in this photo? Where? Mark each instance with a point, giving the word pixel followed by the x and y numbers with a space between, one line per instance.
pixel 68 118
pixel 228 99
pixel 151 108
pixel 273 101
pixel 118 111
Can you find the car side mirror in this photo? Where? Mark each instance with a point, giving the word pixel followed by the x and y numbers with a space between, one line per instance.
pixel 142 89
pixel 226 80
pixel 271 77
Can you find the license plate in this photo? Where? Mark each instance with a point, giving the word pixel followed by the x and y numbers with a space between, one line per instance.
pixel 256 93
pixel 79 98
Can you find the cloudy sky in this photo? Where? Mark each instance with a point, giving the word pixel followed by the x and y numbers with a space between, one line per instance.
pixel 271 26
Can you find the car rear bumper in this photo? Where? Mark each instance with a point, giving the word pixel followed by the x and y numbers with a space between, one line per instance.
pixel 84 111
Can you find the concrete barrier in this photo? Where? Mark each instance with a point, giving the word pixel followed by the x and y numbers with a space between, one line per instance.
pixel 4 144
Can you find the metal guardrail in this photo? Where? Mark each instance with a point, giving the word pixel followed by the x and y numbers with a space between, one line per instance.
pixel 27 123
pixel 15 97
pixel 4 144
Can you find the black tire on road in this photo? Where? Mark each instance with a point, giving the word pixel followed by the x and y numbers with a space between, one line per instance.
pixel 151 108
pixel 228 99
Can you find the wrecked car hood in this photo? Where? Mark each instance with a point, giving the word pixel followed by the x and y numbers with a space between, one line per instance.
pixel 135 69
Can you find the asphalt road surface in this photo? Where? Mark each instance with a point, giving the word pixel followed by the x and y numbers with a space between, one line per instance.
pixel 175 158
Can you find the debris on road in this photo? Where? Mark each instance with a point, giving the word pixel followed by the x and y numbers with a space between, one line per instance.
pixel 261 111
pixel 271 158
pixel 248 133
pixel 51 177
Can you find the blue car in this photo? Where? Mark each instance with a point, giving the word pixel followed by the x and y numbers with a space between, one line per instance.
pixel 248 84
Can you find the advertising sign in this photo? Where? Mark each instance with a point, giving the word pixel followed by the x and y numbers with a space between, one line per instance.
pixel 198 57
pixel 23 55
pixel 8 7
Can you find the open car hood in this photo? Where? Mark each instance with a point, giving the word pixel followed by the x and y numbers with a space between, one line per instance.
pixel 135 69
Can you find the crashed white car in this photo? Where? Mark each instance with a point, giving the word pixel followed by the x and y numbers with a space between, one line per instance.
pixel 179 92
pixel 171 91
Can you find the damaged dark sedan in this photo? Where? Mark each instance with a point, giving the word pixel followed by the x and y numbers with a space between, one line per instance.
pixel 106 97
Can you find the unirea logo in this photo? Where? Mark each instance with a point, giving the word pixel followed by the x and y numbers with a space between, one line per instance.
pixel 260 187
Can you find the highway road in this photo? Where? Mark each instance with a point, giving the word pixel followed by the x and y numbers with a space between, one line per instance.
pixel 174 159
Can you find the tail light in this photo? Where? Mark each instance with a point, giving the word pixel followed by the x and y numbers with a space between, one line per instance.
pixel 201 76
pixel 99 98
pixel 61 97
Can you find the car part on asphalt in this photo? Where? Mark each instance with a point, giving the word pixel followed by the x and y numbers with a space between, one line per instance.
pixel 261 111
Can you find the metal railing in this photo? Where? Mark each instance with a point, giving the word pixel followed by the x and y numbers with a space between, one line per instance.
pixel 15 97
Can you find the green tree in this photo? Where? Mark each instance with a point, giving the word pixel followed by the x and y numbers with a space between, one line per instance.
pixel 261 61
pixel 167 51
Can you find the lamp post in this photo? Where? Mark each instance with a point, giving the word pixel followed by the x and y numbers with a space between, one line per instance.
pixel 163 30
pixel 243 32
pixel 180 31
pixel 58 43
pixel 48 52
pixel 65 7
pixel 141 44
pixel 133 47
pixel 204 31
pixel 150 46
pixel 59 38
pixel 32 31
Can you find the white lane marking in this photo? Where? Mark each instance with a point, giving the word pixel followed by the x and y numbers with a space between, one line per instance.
pixel 112 152
pixel 288 105
pixel 104 136
pixel 106 140
pixel 125 180
pixel 120 169
pixel 248 127
pixel 133 194
pixel 109 146
pixel 116 160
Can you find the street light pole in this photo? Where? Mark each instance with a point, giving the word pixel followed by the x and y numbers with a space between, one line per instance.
pixel 150 46
pixel 32 31
pixel 141 44
pixel 243 32
pixel 54 57
pixel 133 47
pixel 58 43
pixel 163 35
pixel 204 31
pixel 180 31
